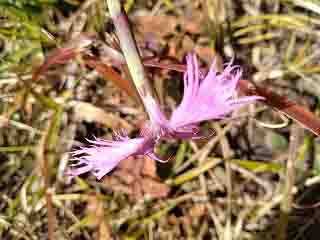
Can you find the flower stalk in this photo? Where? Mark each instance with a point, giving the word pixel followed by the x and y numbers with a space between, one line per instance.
pixel 131 54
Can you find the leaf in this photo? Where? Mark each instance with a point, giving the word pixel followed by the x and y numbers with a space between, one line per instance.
pixel 62 55
pixel 137 177
pixel 87 112
pixel 109 74
pixel 154 188
pixel 257 166
pixel 284 105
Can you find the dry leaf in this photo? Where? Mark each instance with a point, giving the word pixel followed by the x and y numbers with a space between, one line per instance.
pixel 87 112
pixel 137 177
pixel 154 188
pixel 198 210
pixel 162 25
pixel 149 167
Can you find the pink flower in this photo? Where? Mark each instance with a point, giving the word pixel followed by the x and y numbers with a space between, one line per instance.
pixel 206 98
pixel 104 155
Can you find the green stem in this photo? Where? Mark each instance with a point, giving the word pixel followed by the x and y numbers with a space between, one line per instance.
pixel 16 148
pixel 195 172
pixel 131 54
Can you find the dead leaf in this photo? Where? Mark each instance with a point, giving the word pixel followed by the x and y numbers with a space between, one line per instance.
pixel 87 112
pixel 159 25
pixel 162 25
pixel 154 188
pixel 149 168
pixel 125 176
pixel 108 73
pixel 115 184
pixel 198 210
pixel 137 177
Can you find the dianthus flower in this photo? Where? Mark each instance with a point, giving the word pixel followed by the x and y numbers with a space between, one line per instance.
pixel 104 155
pixel 204 98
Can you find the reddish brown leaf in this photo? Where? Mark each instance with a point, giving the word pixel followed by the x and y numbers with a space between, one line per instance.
pixel 137 177
pixel 59 56
pixel 283 104
pixel 64 54
pixel 108 73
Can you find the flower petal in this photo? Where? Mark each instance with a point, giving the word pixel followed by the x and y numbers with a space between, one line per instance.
pixel 104 155
pixel 210 97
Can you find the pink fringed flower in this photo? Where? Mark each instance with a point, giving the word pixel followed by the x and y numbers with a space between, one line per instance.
pixel 104 155
pixel 206 98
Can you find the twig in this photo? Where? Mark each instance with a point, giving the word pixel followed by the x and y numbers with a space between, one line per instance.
pixel 47 145
pixel 269 205
pixel 287 201
pixel 43 157
pixel 226 152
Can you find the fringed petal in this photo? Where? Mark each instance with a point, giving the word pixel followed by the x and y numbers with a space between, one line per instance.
pixel 208 98
pixel 104 155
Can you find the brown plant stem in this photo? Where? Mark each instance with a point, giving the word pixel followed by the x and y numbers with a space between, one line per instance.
pixel 46 175
pixel 51 215
pixel 46 147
